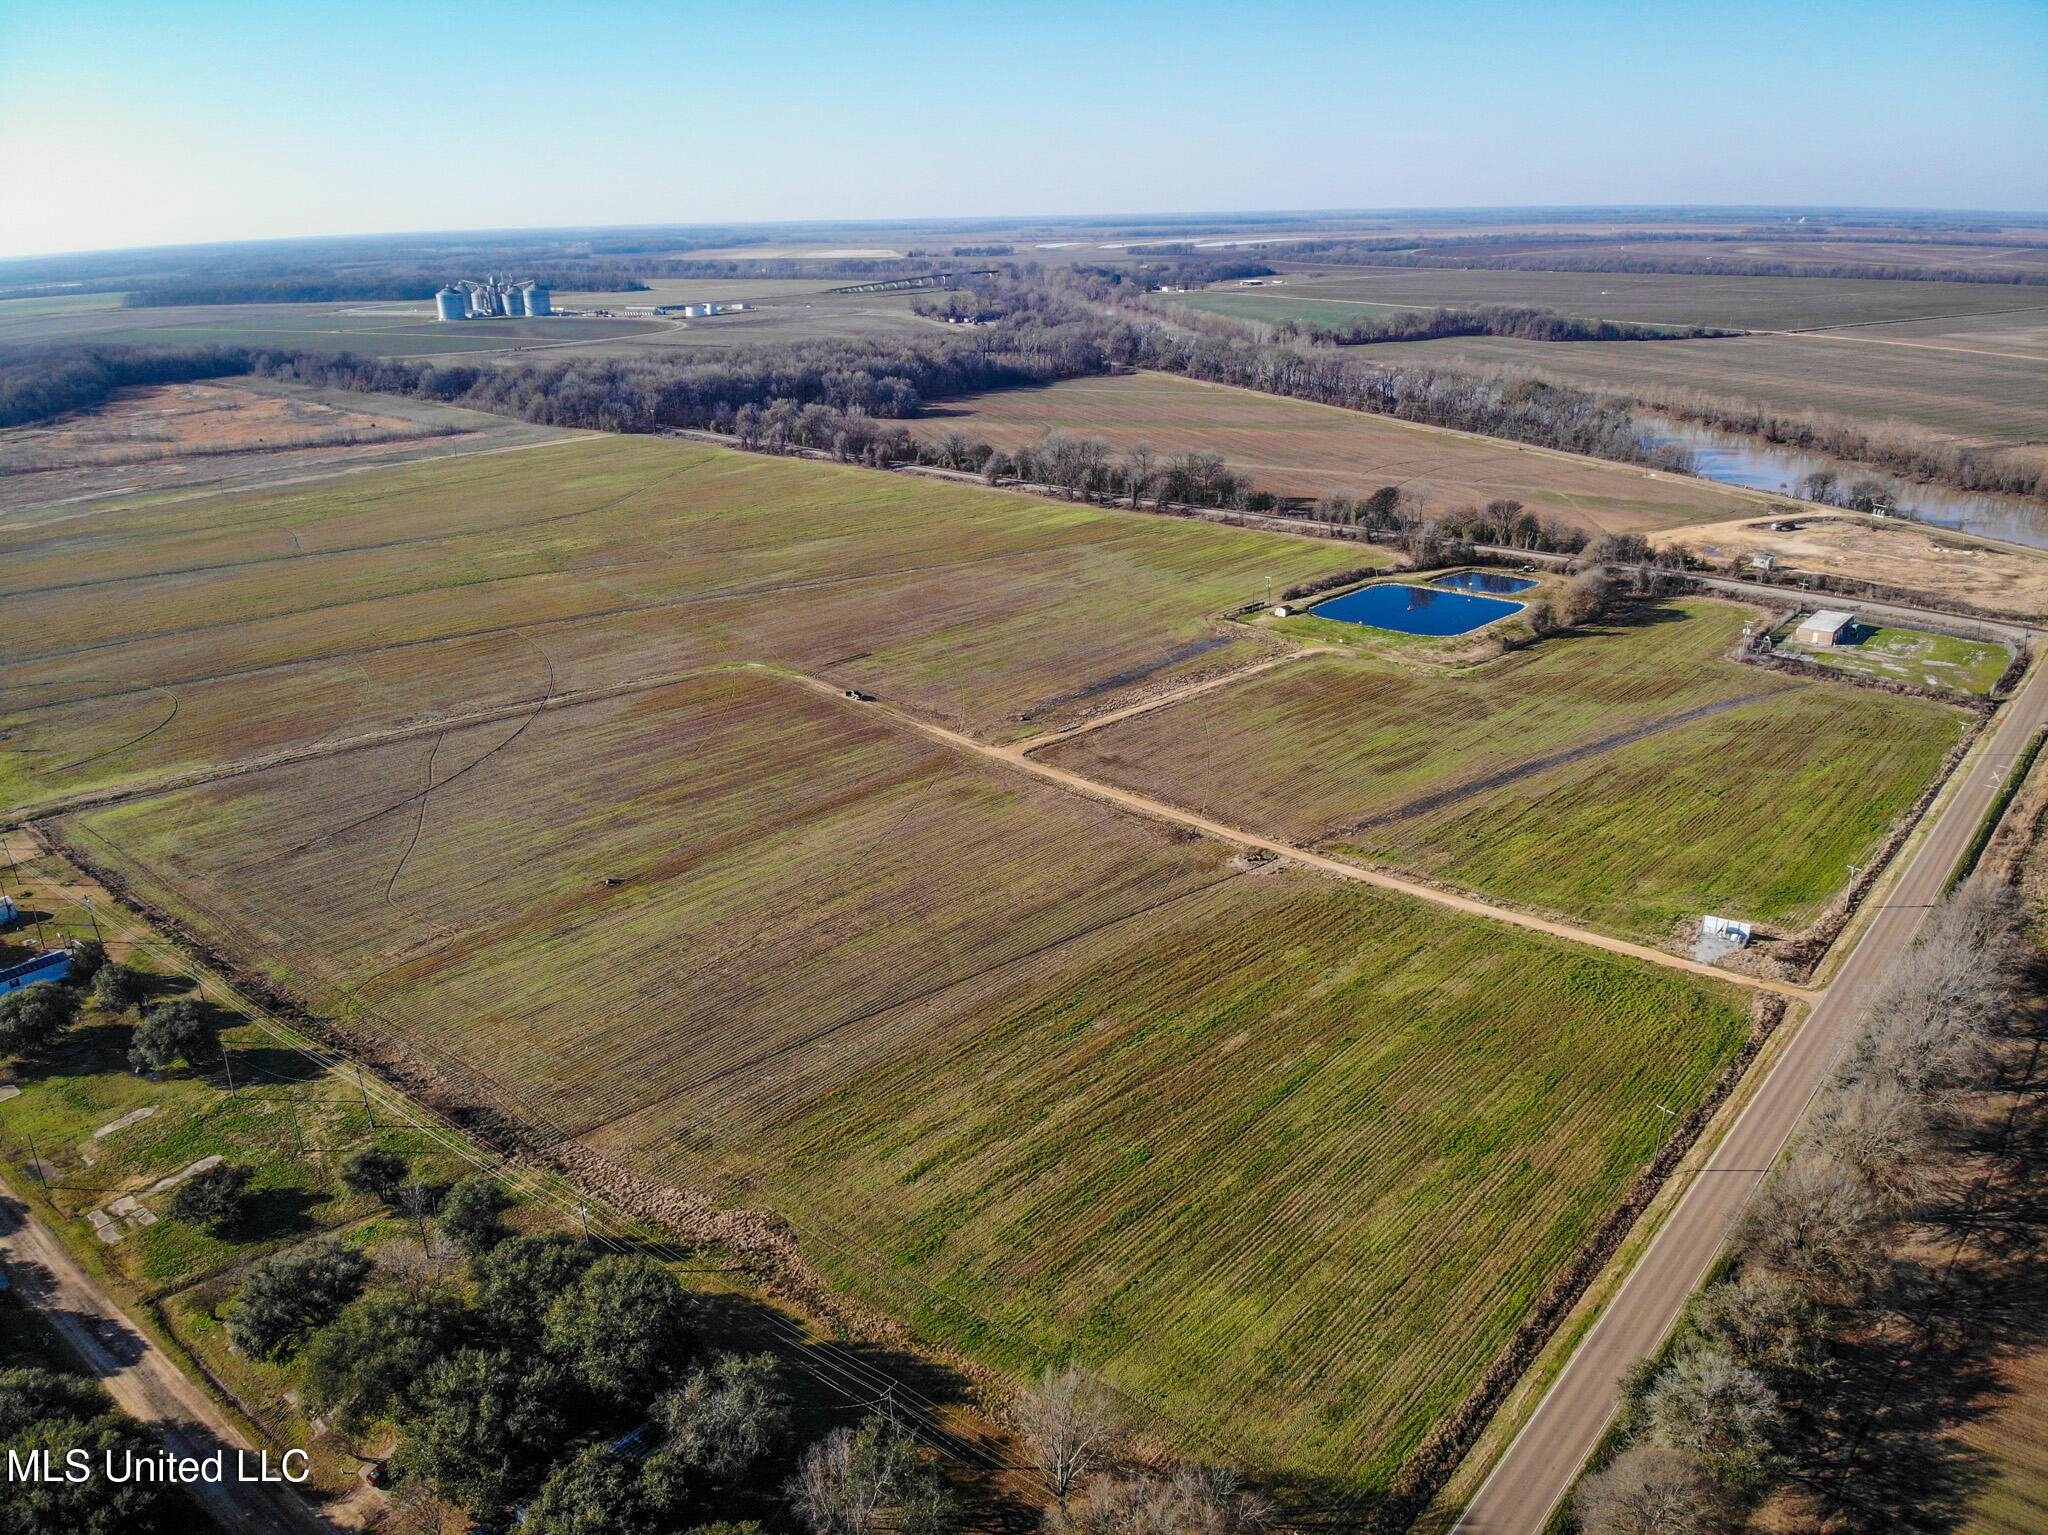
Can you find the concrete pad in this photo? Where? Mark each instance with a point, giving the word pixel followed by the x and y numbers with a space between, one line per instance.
pixel 125 1121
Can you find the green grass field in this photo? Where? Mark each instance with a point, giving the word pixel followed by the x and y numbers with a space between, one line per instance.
pixel 1284 1158
pixel 172 635
pixel 1938 661
pixel 1517 780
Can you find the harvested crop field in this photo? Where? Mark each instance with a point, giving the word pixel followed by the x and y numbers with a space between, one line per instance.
pixel 166 638
pixel 1296 448
pixel 1627 777
pixel 1986 398
pixel 175 437
pixel 2014 1439
pixel 1285 1158
pixel 1649 298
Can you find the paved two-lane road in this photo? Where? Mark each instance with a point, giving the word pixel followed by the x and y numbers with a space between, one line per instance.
pixel 1539 1467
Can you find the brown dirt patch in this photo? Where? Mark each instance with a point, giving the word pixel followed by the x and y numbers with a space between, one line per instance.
pixel 1296 448
pixel 1982 576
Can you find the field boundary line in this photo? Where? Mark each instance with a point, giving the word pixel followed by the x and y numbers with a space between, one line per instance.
pixel 1321 861
pixel 535 1168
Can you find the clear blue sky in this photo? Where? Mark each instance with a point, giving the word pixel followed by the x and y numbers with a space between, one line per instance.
pixel 172 121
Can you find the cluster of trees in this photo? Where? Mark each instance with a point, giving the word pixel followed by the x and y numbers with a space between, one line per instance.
pixel 1878 1274
pixel 569 1388
pixel 570 1383
pixel 35 1017
pixel 43 1412
pixel 41 382
pixel 1492 320
pixel 1079 1449
pixel 1507 523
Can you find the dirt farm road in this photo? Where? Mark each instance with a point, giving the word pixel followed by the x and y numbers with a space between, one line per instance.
pixel 1016 755
pixel 1540 1466
pixel 142 1381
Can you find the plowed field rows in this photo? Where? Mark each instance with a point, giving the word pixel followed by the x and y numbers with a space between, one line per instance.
pixel 1286 1159
pixel 1581 777
pixel 1995 398
pixel 276 620
pixel 1301 449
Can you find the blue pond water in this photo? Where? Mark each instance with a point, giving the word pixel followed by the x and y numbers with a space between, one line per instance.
pixel 1484 581
pixel 1416 609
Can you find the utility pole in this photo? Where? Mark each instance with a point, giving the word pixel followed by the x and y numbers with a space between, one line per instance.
pixel 364 1087
pixel 93 917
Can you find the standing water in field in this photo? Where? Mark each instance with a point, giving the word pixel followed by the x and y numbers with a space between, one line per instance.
pixel 1416 609
pixel 1484 581
pixel 1758 466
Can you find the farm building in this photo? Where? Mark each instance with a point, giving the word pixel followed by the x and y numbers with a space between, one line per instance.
pixel 1823 628
pixel 52 965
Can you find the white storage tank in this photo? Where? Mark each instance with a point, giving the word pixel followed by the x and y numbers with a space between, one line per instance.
pixel 538 299
pixel 451 304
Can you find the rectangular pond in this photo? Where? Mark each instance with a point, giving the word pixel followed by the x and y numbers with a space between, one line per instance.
pixel 1416 609
pixel 1484 581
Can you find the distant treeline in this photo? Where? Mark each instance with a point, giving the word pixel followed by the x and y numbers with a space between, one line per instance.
pixel 43 382
pixel 329 288
pixel 1379 254
pixel 1039 335
pixel 1492 320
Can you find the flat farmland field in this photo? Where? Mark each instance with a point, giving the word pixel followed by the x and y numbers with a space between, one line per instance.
pixel 389 330
pixel 1627 777
pixel 165 637
pixel 1300 449
pixel 1990 398
pixel 785 311
pixel 2020 334
pixel 1650 298
pixel 1286 1159
pixel 2014 1439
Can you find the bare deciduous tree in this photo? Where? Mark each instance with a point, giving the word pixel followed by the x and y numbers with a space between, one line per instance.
pixel 1822 1227
pixel 1650 1490
pixel 1069 1429
pixel 1194 1500
pixel 1721 1412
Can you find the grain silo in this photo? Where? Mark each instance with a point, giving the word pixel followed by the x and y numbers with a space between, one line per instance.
pixel 538 299
pixel 451 304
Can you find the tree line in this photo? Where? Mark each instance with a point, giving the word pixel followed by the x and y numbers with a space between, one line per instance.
pixel 39 383
pixel 319 286
pixel 1344 254
pixel 1490 320
pixel 1879 1275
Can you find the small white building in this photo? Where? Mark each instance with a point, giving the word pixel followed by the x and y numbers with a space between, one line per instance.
pixel 1823 628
